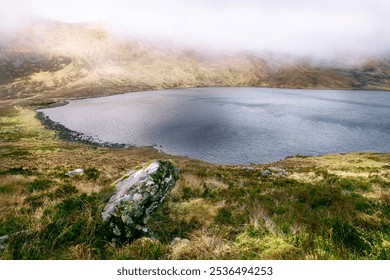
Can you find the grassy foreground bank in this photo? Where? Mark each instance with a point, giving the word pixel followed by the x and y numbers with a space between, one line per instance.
pixel 325 207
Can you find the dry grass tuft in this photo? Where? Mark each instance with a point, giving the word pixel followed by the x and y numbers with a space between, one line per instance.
pixel 81 252
pixel 15 181
pixel 216 184
pixel 198 210
pixel 189 186
pixel 308 177
pixel 202 246
pixel 259 219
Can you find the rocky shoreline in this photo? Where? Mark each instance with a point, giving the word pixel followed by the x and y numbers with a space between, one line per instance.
pixel 70 135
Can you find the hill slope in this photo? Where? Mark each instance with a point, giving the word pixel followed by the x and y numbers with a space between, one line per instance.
pixel 52 61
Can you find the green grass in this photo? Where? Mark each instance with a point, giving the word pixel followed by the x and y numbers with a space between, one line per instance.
pixel 39 185
pixel 16 171
pixel 6 189
pixel 12 224
pixel 92 173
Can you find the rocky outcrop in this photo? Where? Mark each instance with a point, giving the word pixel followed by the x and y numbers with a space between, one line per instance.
pixel 137 195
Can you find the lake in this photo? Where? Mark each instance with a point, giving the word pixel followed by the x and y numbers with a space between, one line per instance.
pixel 236 125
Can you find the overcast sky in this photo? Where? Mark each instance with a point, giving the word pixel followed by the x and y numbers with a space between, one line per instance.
pixel 292 26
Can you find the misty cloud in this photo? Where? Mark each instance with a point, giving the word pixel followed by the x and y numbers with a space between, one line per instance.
pixel 302 27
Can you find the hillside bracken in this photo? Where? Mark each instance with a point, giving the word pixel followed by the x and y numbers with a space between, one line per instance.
pixel 325 207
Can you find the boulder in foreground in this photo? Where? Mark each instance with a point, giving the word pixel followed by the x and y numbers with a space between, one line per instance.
pixel 137 195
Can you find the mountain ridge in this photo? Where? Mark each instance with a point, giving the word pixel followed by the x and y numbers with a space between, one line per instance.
pixel 54 61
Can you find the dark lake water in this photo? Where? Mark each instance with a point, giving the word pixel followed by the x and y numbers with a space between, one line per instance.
pixel 236 125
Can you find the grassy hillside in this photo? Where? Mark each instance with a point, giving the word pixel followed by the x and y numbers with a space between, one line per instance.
pixel 51 61
pixel 326 207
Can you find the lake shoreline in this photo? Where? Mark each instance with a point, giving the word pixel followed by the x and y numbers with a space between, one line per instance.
pixel 70 135
pixel 188 138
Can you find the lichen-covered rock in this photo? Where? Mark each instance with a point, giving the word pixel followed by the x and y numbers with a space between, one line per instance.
pixel 137 195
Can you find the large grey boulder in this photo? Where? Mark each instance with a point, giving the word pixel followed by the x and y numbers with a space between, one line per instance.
pixel 137 195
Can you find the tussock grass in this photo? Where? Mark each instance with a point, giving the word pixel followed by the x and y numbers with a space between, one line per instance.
pixel 203 246
pixel 253 244
pixel 143 248
pixel 13 184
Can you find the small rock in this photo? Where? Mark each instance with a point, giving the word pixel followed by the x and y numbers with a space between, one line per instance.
pixel 3 238
pixel 345 192
pixel 178 240
pixel 3 241
pixel 266 173
pixel 78 171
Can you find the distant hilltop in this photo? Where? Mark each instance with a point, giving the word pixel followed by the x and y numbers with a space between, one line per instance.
pixel 52 61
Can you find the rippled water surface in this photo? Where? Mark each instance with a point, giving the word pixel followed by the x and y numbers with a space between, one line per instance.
pixel 236 125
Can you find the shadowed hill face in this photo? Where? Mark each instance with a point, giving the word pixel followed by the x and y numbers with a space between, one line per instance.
pixel 15 65
pixel 53 60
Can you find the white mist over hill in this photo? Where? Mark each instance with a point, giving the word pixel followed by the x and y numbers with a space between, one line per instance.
pixel 54 49
pixel 316 28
